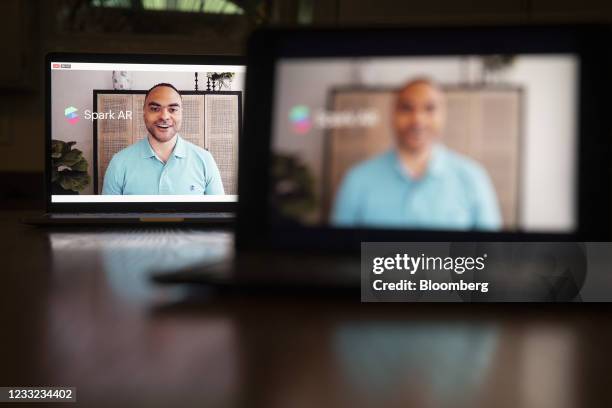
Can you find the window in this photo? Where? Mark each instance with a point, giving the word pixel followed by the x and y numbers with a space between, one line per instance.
pixel 186 6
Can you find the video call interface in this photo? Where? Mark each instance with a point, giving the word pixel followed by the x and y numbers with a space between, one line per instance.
pixel 145 132
pixel 468 143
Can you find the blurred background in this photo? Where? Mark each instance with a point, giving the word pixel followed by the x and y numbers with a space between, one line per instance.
pixel 31 28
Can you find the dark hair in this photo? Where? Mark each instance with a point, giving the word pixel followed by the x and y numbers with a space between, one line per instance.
pixel 162 84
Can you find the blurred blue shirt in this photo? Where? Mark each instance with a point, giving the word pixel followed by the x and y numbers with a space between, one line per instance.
pixel 137 170
pixel 455 193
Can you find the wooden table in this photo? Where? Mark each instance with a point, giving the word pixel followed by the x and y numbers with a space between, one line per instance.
pixel 79 310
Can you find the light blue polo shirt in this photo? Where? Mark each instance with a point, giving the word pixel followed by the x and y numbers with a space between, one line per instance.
pixel 455 193
pixel 137 170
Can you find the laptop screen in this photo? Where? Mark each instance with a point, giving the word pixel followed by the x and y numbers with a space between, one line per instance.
pixel 445 142
pixel 139 133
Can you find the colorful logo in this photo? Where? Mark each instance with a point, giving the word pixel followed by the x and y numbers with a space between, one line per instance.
pixel 300 119
pixel 71 114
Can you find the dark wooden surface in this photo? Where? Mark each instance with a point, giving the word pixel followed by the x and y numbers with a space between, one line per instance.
pixel 78 310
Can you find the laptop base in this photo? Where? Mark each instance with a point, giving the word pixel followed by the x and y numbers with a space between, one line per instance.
pixel 212 218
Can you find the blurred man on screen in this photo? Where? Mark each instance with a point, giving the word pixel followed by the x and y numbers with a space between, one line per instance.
pixel 163 162
pixel 420 183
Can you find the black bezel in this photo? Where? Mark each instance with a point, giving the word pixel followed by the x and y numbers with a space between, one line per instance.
pixel 128 59
pixel 268 45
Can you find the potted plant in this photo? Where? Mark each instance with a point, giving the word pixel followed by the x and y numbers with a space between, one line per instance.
pixel 220 80
pixel 293 192
pixel 69 169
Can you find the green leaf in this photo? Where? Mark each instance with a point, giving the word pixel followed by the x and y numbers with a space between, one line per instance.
pixel 74 180
pixel 57 146
pixel 71 158
pixel 81 165
pixel 68 146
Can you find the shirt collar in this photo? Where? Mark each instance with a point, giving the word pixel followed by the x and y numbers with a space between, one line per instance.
pixel 437 161
pixel 148 152
pixel 179 148
pixel 435 166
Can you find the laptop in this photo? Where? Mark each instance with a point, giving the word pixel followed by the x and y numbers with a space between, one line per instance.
pixel 511 120
pixel 142 138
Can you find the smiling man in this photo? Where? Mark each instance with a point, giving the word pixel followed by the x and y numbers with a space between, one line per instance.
pixel 420 183
pixel 163 162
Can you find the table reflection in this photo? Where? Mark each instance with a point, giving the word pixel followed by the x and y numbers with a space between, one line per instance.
pixel 458 364
pixel 99 326
pixel 442 363
pixel 106 321
pixel 127 258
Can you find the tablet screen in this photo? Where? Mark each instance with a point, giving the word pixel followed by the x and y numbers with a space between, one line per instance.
pixel 468 143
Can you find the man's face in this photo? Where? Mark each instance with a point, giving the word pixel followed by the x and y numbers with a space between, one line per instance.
pixel 419 116
pixel 163 113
